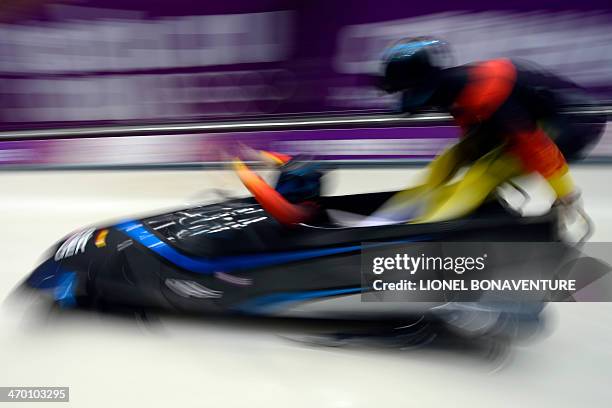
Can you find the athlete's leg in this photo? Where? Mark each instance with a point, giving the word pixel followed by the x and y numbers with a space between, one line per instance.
pixel 472 190
pixel 403 205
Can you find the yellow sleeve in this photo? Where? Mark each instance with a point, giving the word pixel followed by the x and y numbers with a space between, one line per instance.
pixel 562 182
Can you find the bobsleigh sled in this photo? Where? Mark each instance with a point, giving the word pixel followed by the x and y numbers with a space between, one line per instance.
pixel 234 257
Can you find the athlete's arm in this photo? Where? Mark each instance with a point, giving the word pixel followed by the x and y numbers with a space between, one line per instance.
pixel 271 200
pixel 538 153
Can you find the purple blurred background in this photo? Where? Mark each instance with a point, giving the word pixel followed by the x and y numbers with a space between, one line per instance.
pixel 76 63
pixel 72 62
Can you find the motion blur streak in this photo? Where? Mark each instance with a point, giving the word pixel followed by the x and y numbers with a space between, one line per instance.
pixel 96 61
pixel 167 309
pixel 209 357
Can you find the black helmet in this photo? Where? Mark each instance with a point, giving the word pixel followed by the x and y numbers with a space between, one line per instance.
pixel 413 63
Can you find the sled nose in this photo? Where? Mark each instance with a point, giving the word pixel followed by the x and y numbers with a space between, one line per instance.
pixel 51 278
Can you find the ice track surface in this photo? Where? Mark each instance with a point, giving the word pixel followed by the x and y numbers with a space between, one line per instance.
pixel 112 361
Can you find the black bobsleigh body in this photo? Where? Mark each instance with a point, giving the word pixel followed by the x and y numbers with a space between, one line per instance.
pixel 232 257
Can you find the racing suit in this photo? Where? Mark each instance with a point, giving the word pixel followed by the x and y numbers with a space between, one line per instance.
pixel 511 122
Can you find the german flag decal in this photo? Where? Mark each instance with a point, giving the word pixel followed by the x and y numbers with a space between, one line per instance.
pixel 101 238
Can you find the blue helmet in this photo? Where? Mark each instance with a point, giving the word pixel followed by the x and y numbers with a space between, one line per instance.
pixel 413 63
pixel 300 181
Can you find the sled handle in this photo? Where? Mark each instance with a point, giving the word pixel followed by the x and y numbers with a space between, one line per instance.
pixel 589 223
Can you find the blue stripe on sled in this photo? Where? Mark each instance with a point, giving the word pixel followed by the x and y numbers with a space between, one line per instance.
pixel 137 231
pixel 264 303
